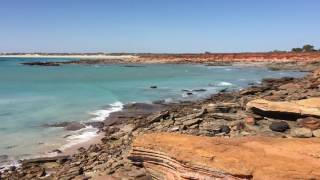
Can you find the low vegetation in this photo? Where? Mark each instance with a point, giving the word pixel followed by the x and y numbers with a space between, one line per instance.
pixel 305 48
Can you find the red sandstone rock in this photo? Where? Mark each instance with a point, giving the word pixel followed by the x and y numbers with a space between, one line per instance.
pixel 250 120
pixel 232 57
pixel 305 107
pixel 310 122
pixel 177 156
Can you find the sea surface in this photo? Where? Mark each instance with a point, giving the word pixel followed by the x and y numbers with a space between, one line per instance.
pixel 31 96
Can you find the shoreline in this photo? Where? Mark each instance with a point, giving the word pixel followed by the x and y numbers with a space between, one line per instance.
pixel 304 61
pixel 70 56
pixel 112 122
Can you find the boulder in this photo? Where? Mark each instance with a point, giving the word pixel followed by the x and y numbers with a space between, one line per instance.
pixel 290 110
pixel 301 133
pixel 309 122
pixel 178 156
pixel 281 126
pixel 225 129
pixel 316 133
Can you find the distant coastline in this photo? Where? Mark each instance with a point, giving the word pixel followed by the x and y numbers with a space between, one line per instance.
pixel 76 56
pixel 179 58
pixel 303 61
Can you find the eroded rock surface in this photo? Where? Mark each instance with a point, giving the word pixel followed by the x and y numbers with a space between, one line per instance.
pixel 287 109
pixel 176 156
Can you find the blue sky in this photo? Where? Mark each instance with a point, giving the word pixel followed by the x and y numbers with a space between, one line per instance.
pixel 172 26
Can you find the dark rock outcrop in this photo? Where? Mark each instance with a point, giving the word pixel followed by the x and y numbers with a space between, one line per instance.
pixel 281 126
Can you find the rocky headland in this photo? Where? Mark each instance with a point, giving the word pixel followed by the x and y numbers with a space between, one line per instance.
pixel 266 131
pixel 304 61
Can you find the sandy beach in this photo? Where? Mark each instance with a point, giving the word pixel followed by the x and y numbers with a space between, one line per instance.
pixel 71 56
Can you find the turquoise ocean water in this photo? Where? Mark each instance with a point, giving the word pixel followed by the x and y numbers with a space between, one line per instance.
pixel 31 96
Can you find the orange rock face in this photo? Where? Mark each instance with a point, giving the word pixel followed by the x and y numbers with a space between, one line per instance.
pixel 242 57
pixel 177 156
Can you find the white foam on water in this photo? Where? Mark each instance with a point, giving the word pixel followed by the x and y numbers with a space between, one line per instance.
pixel 224 84
pixel 80 136
pixel 102 114
pixel 89 132
pixel 8 164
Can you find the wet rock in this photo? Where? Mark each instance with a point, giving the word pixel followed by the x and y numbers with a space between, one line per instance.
pixel 74 126
pixel 316 133
pixel 199 90
pixel 56 151
pixel 280 126
pixel 159 102
pixel 41 63
pixel 301 133
pixel 189 93
pixel 309 122
pixel 12 168
pixel 223 90
pixel 96 124
pixel 69 126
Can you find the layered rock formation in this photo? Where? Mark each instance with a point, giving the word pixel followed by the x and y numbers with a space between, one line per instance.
pixel 176 156
pixel 286 109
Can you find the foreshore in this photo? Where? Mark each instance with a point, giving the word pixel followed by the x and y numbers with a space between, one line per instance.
pixel 222 115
